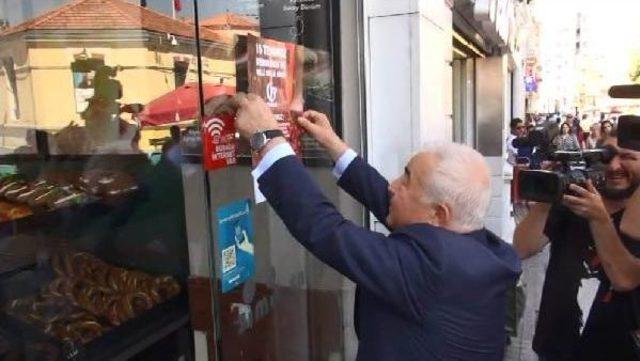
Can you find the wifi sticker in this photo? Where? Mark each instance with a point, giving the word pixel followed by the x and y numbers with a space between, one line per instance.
pixel 219 142
pixel 214 127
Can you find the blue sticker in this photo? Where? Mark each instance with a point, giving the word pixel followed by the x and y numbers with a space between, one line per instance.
pixel 236 247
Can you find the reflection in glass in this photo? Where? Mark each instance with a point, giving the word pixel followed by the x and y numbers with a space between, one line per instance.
pixel 292 309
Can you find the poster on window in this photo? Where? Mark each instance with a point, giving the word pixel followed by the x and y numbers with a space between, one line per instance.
pixel 84 89
pixel 235 244
pixel 273 70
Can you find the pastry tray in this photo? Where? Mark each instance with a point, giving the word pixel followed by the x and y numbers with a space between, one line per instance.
pixel 119 343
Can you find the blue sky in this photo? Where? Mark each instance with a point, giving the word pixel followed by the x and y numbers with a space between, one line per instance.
pixel 17 11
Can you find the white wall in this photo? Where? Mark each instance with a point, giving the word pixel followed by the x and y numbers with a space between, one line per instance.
pixel 519 92
pixel 493 104
pixel 408 79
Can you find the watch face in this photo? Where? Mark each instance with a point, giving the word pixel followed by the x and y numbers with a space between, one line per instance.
pixel 257 141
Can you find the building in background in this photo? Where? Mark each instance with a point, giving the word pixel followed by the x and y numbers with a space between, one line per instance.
pixel 156 58
pixel 586 50
pixel 460 76
pixel 559 39
pixel 532 65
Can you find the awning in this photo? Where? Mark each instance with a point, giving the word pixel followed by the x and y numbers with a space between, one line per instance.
pixel 181 104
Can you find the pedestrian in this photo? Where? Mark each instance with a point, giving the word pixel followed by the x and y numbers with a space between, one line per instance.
pixel 566 140
pixel 606 127
pixel 594 136
pixel 576 129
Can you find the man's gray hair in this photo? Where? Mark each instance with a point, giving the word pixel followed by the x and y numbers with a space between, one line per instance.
pixel 462 180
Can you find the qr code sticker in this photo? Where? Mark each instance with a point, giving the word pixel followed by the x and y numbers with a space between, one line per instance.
pixel 228 258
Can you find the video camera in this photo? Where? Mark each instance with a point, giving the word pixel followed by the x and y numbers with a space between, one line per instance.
pixel 628 125
pixel 537 138
pixel 548 186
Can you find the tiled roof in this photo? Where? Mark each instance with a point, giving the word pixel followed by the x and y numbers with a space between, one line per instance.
pixel 109 15
pixel 230 21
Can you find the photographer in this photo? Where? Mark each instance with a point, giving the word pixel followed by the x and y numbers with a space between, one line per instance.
pixel 585 219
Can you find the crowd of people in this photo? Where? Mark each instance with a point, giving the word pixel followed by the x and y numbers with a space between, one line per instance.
pixel 589 236
pixel 562 132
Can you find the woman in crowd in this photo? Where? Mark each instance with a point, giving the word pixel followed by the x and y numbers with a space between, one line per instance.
pixel 566 140
pixel 594 136
pixel 606 126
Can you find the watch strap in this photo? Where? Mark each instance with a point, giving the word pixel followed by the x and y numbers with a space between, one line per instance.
pixel 273 133
pixel 264 137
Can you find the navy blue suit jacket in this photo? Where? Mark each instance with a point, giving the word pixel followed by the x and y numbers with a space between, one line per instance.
pixel 425 293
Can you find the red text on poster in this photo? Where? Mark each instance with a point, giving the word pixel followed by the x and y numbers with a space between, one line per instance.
pixel 275 74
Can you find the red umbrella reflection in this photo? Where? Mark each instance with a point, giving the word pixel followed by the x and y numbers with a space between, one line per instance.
pixel 181 104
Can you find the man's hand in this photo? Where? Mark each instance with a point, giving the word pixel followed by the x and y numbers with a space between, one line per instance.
pixel 318 126
pixel 587 203
pixel 253 115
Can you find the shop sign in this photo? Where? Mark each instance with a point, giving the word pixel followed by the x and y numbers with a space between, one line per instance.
pixel 289 17
pixel 219 142
pixel 274 72
pixel 530 81
pixel 235 244
pixel 530 84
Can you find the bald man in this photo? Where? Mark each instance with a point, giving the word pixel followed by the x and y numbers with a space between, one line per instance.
pixel 434 289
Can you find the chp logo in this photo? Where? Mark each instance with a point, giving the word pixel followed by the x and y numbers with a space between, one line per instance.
pixel 271 92
pixel 214 127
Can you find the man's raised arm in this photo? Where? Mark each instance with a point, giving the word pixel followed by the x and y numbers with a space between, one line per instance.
pixel 368 258
pixel 354 175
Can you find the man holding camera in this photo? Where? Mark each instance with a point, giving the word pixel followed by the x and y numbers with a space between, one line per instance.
pixel 435 288
pixel 585 241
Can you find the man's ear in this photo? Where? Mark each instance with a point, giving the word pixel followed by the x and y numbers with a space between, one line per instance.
pixel 443 214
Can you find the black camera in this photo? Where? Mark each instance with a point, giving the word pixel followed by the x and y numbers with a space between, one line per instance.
pixel 538 139
pixel 629 132
pixel 628 125
pixel 548 186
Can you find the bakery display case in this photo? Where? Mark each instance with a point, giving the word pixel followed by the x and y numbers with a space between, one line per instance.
pixel 93 248
pixel 98 262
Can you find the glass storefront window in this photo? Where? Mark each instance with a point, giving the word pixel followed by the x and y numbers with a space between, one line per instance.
pixel 292 308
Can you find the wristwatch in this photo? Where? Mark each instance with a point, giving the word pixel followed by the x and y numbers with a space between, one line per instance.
pixel 260 138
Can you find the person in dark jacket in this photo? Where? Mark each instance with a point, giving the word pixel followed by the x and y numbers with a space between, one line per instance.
pixel 434 288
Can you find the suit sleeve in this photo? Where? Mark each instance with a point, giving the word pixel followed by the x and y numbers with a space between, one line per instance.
pixel 368 187
pixel 393 270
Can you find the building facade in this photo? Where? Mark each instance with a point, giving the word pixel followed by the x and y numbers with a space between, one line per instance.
pixel 460 75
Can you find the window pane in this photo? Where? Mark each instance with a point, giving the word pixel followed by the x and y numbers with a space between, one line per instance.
pixel 93 241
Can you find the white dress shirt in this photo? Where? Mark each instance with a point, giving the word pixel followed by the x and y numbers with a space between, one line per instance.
pixel 283 150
